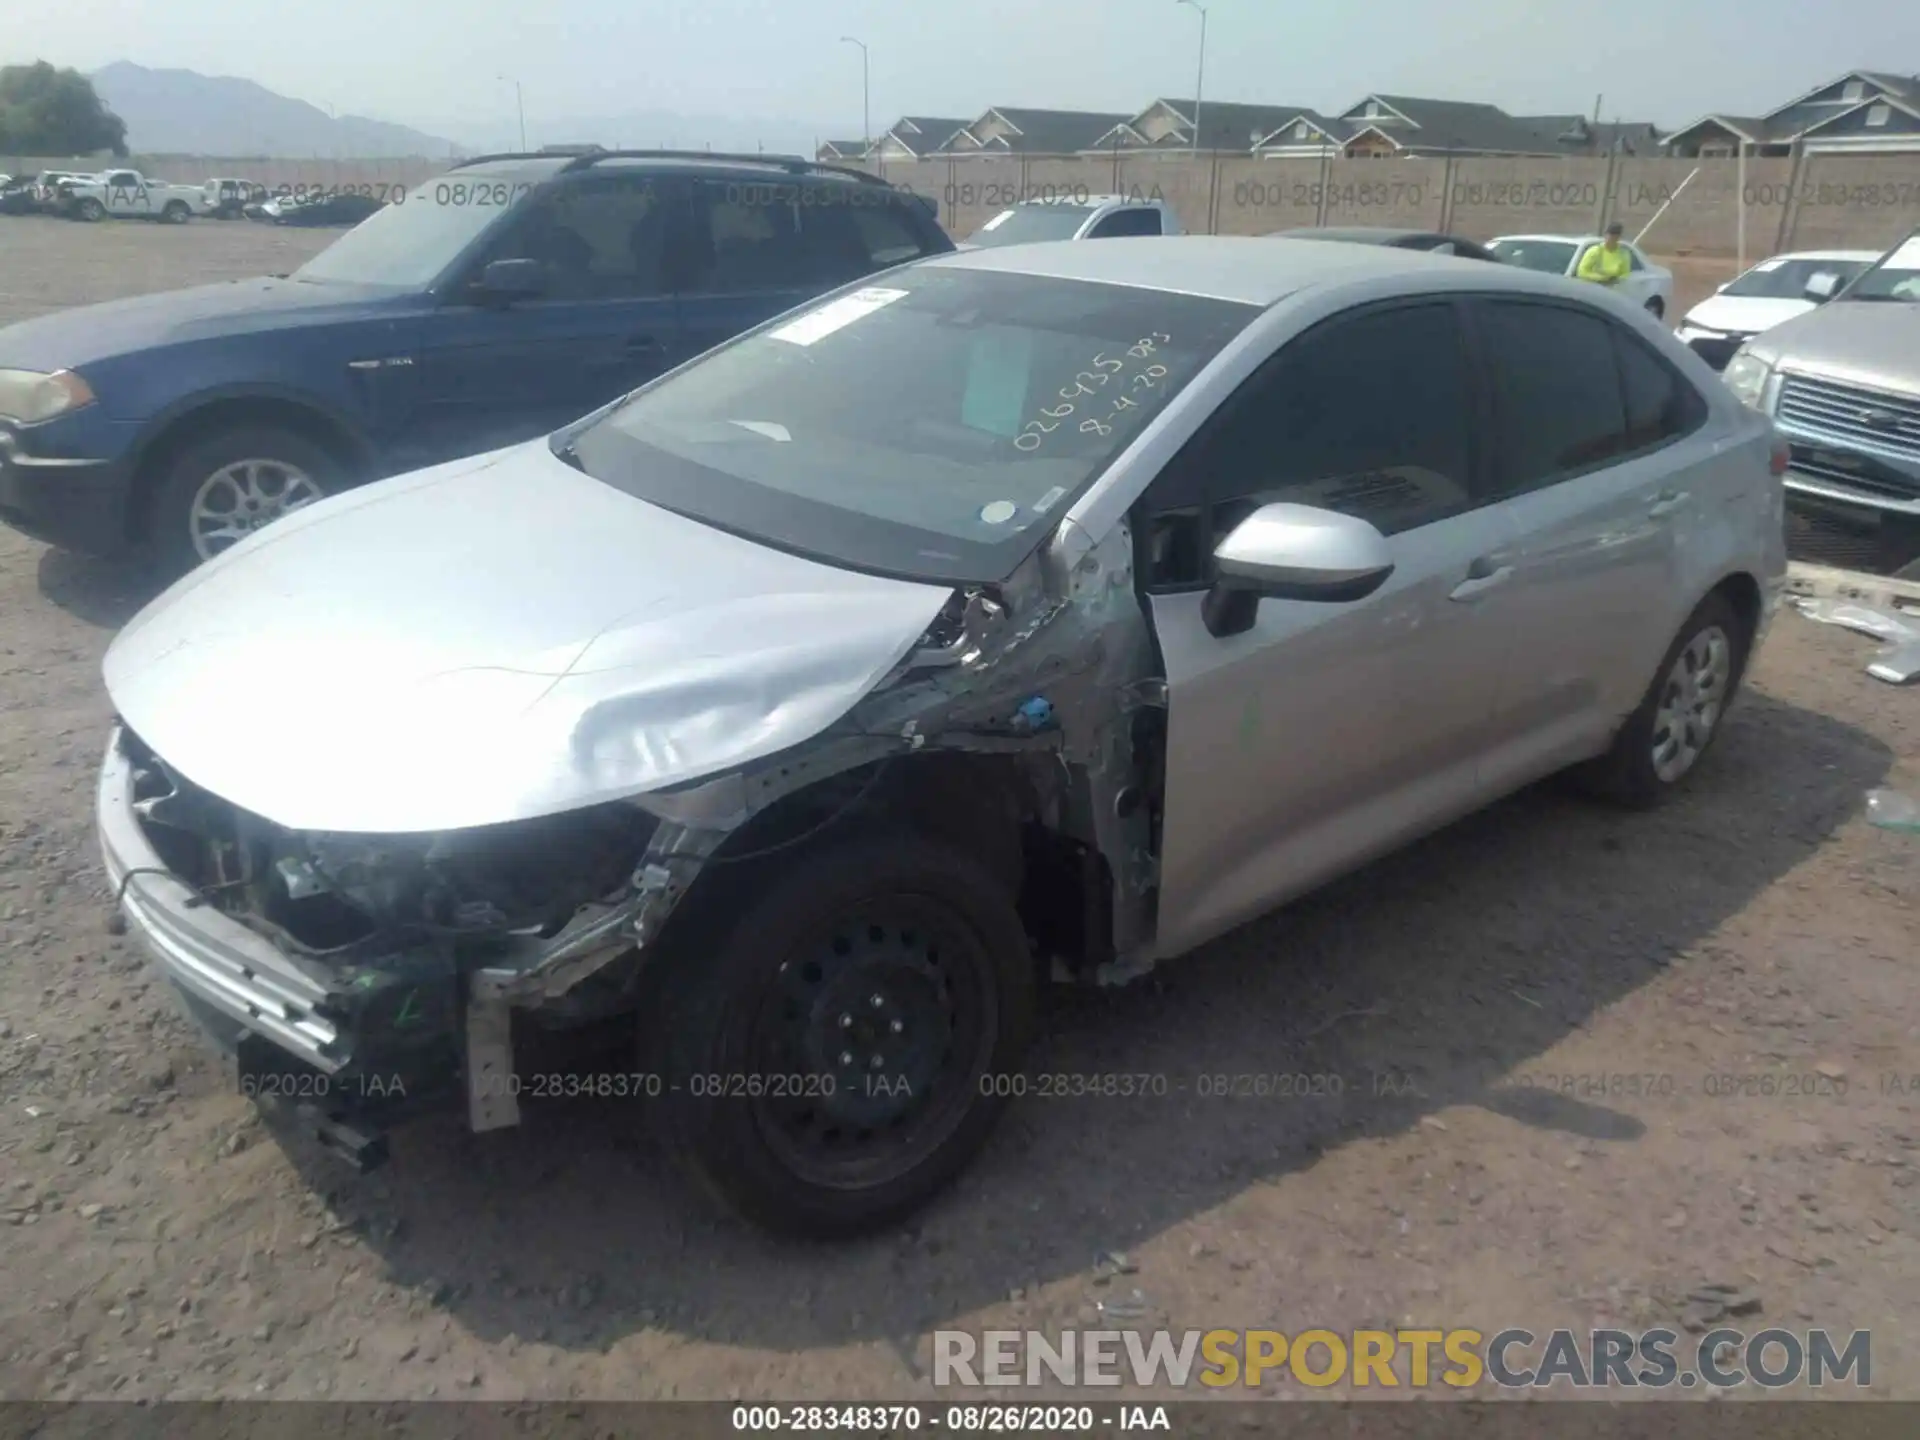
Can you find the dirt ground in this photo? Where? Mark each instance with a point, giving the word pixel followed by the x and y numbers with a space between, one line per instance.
pixel 158 1241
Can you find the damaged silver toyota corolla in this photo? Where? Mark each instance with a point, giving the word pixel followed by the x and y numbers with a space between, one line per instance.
pixel 1035 612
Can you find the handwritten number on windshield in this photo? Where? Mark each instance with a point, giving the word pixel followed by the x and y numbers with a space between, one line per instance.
pixel 1089 382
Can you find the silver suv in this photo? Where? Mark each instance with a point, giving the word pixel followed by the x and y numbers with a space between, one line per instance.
pixel 1842 382
pixel 1042 611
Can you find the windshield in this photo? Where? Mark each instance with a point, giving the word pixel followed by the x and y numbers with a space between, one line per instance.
pixel 408 243
pixel 930 427
pixel 1894 276
pixel 1787 279
pixel 1025 224
pixel 1549 257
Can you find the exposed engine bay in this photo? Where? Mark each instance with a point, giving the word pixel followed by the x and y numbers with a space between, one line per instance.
pixel 1026 725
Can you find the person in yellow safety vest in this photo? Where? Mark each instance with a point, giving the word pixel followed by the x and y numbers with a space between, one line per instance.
pixel 1608 262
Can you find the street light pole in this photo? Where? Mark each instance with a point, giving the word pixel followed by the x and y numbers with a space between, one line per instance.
pixel 1200 80
pixel 520 105
pixel 866 108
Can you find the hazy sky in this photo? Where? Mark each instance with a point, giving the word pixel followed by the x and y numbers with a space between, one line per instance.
pixel 427 61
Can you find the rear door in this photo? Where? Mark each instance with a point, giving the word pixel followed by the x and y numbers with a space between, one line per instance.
pixel 1586 421
pixel 492 374
pixel 1328 732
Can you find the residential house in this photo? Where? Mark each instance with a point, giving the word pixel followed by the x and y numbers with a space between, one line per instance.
pixel 1225 125
pixel 1407 126
pixel 844 152
pixel 1003 131
pixel 1863 111
pixel 914 137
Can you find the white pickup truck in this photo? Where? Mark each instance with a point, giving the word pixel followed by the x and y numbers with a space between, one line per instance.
pixel 130 194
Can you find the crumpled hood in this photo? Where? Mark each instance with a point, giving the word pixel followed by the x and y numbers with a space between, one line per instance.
pixel 490 640
pixel 1745 314
pixel 68 339
pixel 1873 343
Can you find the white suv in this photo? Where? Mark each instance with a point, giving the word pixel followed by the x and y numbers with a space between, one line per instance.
pixel 1077 217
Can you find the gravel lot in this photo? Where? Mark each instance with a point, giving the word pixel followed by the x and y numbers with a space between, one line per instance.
pixel 162 1243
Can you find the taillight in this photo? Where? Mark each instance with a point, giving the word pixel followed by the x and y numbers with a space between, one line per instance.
pixel 1779 456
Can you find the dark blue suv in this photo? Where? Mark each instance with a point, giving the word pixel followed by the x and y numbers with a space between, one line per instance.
pixel 493 304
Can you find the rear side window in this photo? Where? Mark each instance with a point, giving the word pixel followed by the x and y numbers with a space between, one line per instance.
pixel 1661 405
pixel 747 238
pixel 1127 222
pixel 1556 391
pixel 853 234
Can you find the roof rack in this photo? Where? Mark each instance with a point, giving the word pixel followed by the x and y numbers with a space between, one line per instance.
pixel 581 158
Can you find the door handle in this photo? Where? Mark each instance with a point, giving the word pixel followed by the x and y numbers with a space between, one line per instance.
pixel 1482 576
pixel 1666 503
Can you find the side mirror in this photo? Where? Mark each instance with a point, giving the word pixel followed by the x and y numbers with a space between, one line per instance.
pixel 507 280
pixel 1823 287
pixel 1293 552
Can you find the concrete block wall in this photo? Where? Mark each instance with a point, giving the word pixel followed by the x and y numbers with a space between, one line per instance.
pixel 1803 202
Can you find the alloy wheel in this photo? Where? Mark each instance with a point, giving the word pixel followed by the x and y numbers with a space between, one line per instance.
pixel 1692 699
pixel 245 496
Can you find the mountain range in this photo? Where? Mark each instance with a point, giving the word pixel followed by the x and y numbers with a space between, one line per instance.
pixel 182 112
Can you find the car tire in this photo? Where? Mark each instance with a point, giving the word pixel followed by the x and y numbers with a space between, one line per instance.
pixel 877 960
pixel 1657 308
pixel 175 212
pixel 191 491
pixel 1665 738
pixel 90 210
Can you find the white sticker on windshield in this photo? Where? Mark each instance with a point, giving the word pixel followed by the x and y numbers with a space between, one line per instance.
pixel 1904 257
pixel 997 221
pixel 998 512
pixel 837 315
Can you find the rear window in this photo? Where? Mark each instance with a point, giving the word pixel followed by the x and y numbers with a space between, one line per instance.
pixel 1027 224
pixel 1549 257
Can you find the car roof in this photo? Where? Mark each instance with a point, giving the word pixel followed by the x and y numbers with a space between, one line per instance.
pixel 1250 269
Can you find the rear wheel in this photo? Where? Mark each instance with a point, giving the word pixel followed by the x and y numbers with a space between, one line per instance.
pixel 219 490
pixel 1664 739
pixel 833 1033
pixel 90 210
pixel 175 212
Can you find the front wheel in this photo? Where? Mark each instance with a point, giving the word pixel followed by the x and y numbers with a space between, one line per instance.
pixel 834 1032
pixel 219 490
pixel 1681 714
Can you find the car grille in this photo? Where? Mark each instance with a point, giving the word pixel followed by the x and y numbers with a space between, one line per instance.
pixel 1856 473
pixel 1888 422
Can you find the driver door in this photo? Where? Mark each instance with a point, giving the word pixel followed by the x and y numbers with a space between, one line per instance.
pixel 493 374
pixel 1328 732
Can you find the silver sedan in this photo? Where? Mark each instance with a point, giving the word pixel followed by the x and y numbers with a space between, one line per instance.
pixel 1032 612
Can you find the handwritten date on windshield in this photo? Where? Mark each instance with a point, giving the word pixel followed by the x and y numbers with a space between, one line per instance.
pixel 1100 396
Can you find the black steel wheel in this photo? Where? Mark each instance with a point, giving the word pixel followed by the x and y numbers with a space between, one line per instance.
pixel 835 1031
